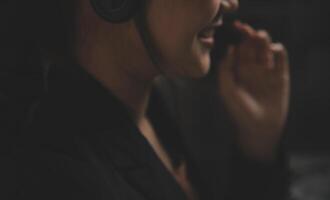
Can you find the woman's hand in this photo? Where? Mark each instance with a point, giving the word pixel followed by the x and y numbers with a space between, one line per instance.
pixel 254 83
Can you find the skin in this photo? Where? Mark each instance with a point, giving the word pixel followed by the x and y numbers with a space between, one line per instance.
pixel 177 38
pixel 255 85
pixel 253 77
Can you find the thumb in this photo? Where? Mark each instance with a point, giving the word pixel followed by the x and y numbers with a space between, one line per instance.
pixel 239 103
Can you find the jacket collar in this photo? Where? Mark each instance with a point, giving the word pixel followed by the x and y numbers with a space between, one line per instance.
pixel 111 132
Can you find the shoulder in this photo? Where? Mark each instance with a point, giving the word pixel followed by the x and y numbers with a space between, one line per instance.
pixel 47 174
pixel 56 157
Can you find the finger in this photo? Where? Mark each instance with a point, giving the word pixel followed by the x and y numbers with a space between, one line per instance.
pixel 256 46
pixel 234 96
pixel 281 58
pixel 264 38
pixel 241 104
pixel 246 30
pixel 247 54
pixel 263 41
pixel 264 54
pixel 247 49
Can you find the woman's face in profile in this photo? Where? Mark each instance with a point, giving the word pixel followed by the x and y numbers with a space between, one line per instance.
pixel 184 30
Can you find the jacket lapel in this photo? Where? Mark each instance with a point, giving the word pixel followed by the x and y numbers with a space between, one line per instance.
pixel 144 171
pixel 112 134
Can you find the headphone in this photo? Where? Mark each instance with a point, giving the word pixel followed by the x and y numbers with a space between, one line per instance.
pixel 117 11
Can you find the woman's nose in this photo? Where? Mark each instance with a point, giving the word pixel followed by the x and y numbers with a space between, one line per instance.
pixel 230 5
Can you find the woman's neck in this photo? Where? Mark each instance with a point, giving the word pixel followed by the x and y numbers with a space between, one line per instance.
pixel 131 83
pixel 126 86
pixel 115 56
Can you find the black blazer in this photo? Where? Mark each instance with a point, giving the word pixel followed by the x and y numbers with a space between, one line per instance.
pixel 80 143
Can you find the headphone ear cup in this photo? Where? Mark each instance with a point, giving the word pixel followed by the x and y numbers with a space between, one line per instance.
pixel 116 11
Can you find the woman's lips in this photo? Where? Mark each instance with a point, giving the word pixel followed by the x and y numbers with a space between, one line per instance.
pixel 206 37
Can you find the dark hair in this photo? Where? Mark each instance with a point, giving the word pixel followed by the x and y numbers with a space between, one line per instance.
pixel 30 32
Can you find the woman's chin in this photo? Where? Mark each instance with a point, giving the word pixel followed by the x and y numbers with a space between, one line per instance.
pixel 202 73
pixel 202 61
pixel 198 70
pixel 191 70
pixel 195 66
pixel 202 67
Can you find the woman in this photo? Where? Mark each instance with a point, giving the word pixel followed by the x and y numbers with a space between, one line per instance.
pixel 100 130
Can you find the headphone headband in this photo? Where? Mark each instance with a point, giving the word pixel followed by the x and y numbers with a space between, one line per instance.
pixel 116 11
